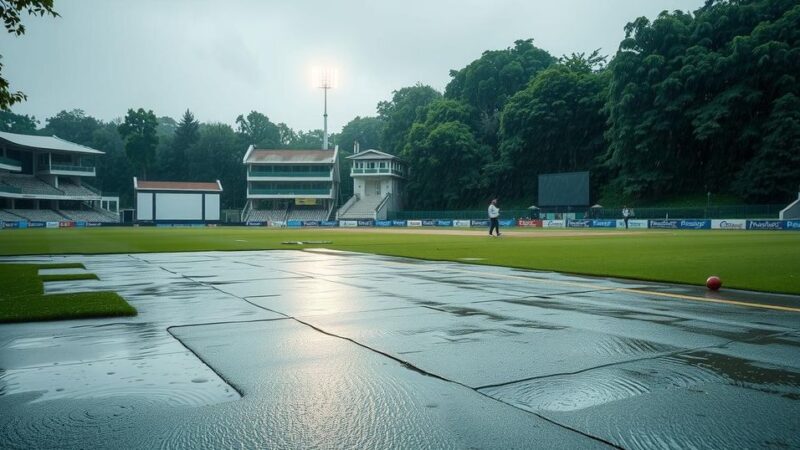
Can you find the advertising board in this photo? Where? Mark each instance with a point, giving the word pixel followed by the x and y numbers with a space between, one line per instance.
pixel 383 223
pixel 479 223
pixel 529 223
pixel 444 223
pixel 348 223
pixel 671 224
pixel 729 224
pixel 553 223
pixel 398 223
pixel 695 224
pixel 766 225
pixel 461 223
pixel 414 223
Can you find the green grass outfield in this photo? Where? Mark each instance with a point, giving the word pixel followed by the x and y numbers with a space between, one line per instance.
pixel 757 260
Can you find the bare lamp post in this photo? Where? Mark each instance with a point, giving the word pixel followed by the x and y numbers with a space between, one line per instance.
pixel 325 78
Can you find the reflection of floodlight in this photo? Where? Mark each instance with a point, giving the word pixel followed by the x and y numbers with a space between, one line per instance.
pixel 325 78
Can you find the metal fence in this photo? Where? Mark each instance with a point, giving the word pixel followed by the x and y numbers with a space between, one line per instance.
pixel 711 212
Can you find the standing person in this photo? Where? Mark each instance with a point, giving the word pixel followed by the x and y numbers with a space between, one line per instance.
pixel 494 213
pixel 626 214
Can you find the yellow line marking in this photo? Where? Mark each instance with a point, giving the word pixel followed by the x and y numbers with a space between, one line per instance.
pixel 629 290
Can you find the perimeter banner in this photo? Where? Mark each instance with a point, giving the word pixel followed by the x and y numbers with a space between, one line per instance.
pixel 479 223
pixel 383 223
pixel 793 224
pixel 461 223
pixel 553 224
pixel 766 225
pixel 671 224
pixel 414 223
pixel 729 224
pixel 398 223
pixel 444 223
pixel 529 223
pixel 329 223
pixel 348 223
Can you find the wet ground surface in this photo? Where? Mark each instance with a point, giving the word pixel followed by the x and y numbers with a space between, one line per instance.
pixel 293 349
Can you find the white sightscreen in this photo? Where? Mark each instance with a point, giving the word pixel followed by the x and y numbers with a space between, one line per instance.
pixel 179 206
pixel 212 206
pixel 144 206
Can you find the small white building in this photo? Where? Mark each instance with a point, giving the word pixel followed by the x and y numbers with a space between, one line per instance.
pixel 177 201
pixel 378 182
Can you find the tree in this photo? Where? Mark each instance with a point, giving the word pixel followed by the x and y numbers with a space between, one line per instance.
pixel 556 124
pixel 217 155
pixel 10 14
pixel 15 123
pixel 139 132
pixel 258 130
pixel 487 83
pixel 366 131
pixel 407 105
pixel 74 126
pixel 174 161
pixel 311 139
pixel 444 158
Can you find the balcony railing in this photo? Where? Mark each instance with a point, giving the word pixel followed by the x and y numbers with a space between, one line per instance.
pixel 10 162
pixel 289 191
pixel 67 168
pixel 259 173
pixel 10 189
pixel 370 171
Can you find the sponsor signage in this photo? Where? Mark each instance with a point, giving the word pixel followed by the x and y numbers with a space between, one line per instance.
pixel 605 223
pixel 383 223
pixel 428 223
pixel 294 223
pixel 765 225
pixel 479 223
pixel 632 223
pixel 529 223
pixel 80 223
pixel 51 225
pixel 310 223
pixel 793 224
pixel 580 223
pixel 398 223
pixel 36 224
pixel 10 224
pixel 672 224
pixel 414 223
pixel 729 224
pixel 553 224
pixel 348 223
pixel 695 224
pixel 461 223
pixel 444 223
pixel 329 223
pixel 94 224
pixel 366 223
pixel 276 223
pixel 252 223
pixel 66 224
pixel 507 222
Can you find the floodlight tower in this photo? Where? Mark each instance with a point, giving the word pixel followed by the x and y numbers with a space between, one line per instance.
pixel 325 78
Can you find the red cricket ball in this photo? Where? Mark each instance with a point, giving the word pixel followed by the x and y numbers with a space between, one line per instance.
pixel 713 283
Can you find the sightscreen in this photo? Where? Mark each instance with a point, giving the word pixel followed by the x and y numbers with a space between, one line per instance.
pixel 564 189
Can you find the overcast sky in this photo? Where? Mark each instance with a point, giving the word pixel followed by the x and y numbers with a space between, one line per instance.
pixel 221 59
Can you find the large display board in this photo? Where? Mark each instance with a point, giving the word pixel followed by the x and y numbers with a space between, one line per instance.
pixel 564 189
pixel 144 206
pixel 179 206
pixel 212 207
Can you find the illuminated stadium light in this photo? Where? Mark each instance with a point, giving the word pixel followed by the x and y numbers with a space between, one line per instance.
pixel 325 78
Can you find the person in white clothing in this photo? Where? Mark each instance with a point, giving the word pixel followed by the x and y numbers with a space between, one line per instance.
pixel 626 215
pixel 494 213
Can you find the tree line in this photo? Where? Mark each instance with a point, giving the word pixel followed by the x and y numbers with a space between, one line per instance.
pixel 690 103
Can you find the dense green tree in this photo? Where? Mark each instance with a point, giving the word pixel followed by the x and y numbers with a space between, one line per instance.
pixel 173 162
pixel 16 123
pixel 366 130
pixel 406 106
pixel 74 126
pixel 114 170
pixel 488 82
pixel 445 158
pixel 258 130
pixel 311 139
pixel 287 135
pixel 217 155
pixel 10 15
pixel 139 132
pixel 556 124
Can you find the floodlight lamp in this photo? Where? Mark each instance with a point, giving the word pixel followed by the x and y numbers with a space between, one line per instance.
pixel 325 77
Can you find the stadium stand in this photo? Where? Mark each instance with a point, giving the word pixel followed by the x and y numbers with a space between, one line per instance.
pixel 29 185
pixel 38 215
pixel 74 190
pixel 306 213
pixel 266 215
pixel 6 216
pixel 90 215
pixel 363 208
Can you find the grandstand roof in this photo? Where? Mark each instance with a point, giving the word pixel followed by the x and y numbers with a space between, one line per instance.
pixel 283 156
pixel 54 143
pixel 372 154
pixel 176 186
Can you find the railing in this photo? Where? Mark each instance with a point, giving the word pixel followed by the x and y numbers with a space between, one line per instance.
pixel 94 189
pixel 259 173
pixel 371 171
pixel 382 205
pixel 289 191
pixel 712 212
pixel 10 189
pixel 67 168
pixel 10 162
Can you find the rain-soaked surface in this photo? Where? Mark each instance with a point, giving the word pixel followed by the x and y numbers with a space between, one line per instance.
pixel 297 349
